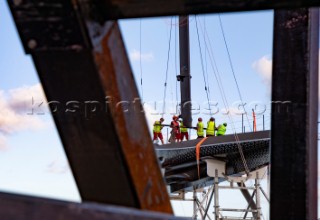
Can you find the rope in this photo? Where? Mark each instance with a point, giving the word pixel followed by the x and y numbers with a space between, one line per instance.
pixel 141 75
pixel 231 65
pixel 224 99
pixel 218 78
pixel 175 60
pixel 202 66
pixel 205 58
pixel 167 69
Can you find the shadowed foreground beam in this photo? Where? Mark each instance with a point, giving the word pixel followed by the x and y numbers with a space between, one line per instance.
pixel 84 70
pixel 294 126
pixel 31 208
pixel 115 9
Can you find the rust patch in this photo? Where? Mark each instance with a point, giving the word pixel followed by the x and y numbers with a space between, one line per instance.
pixel 118 82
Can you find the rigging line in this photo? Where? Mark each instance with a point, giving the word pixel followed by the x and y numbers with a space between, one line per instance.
pixel 231 65
pixel 175 60
pixel 167 68
pixel 205 58
pixel 214 67
pixel 202 66
pixel 141 75
pixel 216 72
pixel 224 99
pixel 218 81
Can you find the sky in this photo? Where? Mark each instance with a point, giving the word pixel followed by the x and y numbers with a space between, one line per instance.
pixel 251 65
pixel 32 160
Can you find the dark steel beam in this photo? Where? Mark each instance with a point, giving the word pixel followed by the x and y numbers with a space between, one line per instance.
pixel 184 76
pixel 180 165
pixel 115 9
pixel 249 198
pixel 18 207
pixel 294 126
pixel 83 67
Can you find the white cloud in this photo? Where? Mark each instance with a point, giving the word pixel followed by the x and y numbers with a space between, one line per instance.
pixel 20 99
pixel 13 111
pixel 151 116
pixel 136 54
pixel 3 143
pixel 263 67
pixel 58 167
pixel 232 111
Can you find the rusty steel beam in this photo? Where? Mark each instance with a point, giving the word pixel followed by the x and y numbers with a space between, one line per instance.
pixel 294 125
pixel 31 208
pixel 83 67
pixel 115 9
pixel 75 54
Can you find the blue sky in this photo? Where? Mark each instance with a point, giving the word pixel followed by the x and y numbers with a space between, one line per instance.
pixel 32 160
pixel 245 50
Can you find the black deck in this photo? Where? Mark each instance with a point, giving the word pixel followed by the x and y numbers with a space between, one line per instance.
pixel 179 159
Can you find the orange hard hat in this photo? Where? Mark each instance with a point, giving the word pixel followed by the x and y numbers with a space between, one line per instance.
pixel 174 117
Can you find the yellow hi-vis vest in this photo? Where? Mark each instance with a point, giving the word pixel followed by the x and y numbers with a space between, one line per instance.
pixel 157 127
pixel 210 128
pixel 183 128
pixel 200 132
pixel 221 130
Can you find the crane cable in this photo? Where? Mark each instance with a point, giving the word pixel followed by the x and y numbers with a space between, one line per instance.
pixel 167 69
pixel 202 66
pixel 232 69
pixel 224 99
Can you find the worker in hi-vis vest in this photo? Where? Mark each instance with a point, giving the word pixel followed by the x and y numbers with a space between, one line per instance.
pixel 211 127
pixel 221 130
pixel 200 130
pixel 183 131
pixel 175 132
pixel 157 127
